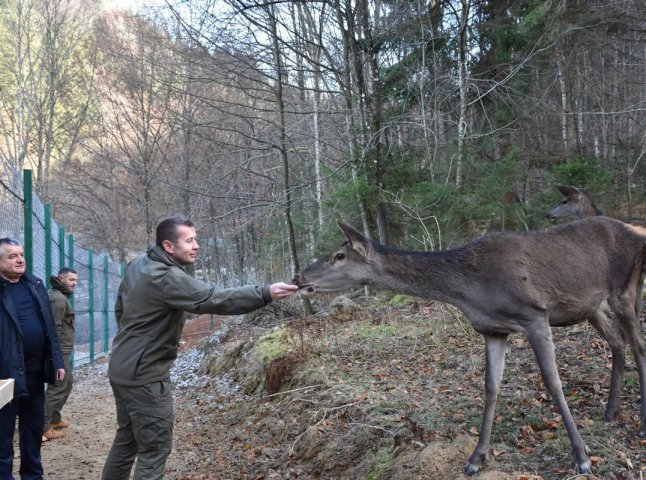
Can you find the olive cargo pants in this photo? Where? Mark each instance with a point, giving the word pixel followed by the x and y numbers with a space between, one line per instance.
pixel 57 395
pixel 144 431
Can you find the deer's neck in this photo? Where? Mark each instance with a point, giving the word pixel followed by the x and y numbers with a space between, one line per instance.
pixel 589 209
pixel 439 276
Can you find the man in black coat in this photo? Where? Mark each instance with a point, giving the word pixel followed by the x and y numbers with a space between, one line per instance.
pixel 30 354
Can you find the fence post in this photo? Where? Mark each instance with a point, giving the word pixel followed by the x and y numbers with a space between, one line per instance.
pixel 70 253
pixel 61 247
pixel 28 220
pixel 90 300
pixel 106 302
pixel 48 245
pixel 70 250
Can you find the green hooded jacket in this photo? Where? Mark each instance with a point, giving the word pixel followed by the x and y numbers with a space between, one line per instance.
pixel 150 309
pixel 59 299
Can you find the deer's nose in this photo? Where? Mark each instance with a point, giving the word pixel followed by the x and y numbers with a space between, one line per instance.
pixel 296 280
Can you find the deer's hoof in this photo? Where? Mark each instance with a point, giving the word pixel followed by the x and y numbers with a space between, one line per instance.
pixel 470 469
pixel 610 415
pixel 583 468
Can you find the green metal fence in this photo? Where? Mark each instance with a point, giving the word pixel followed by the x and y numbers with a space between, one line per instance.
pixel 48 248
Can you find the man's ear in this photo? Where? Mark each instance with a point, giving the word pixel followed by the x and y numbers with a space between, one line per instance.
pixel 168 246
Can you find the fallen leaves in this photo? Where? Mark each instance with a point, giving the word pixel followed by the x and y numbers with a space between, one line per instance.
pixel 431 386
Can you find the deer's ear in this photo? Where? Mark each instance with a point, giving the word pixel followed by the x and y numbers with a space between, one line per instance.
pixel 357 241
pixel 568 191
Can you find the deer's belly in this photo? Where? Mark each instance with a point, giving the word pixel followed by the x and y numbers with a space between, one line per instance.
pixel 559 317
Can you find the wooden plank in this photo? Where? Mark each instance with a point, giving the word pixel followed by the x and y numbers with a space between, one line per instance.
pixel 6 391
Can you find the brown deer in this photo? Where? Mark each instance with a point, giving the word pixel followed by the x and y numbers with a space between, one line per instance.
pixel 575 205
pixel 521 282
pixel 578 204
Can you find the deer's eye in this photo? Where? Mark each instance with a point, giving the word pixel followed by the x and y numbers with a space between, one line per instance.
pixel 339 256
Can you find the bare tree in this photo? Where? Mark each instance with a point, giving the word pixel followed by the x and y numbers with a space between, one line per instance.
pixel 46 96
pixel 136 98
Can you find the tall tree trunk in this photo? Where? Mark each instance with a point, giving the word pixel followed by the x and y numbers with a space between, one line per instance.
pixel 316 100
pixel 312 34
pixel 350 67
pixel 187 121
pixel 463 80
pixel 280 103
pixel 565 137
pixel 373 97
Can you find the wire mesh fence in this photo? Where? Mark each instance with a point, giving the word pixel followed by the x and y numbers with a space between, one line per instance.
pixel 48 249
pixel 11 207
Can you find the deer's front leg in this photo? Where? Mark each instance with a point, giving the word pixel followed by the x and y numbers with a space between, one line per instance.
pixel 540 338
pixel 495 365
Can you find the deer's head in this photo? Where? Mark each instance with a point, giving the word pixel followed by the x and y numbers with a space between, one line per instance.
pixel 574 205
pixel 350 265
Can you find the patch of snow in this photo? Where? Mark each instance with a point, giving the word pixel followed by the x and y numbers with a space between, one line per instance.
pixel 184 375
pixel 184 372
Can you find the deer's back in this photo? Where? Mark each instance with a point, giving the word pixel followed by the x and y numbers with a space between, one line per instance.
pixel 568 269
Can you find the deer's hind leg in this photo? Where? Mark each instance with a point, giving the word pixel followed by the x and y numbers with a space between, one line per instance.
pixel 495 347
pixel 630 328
pixel 540 338
pixel 639 353
pixel 603 322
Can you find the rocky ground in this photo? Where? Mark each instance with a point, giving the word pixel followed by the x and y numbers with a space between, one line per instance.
pixel 388 389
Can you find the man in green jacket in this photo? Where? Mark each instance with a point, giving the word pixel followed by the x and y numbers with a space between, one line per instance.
pixel 150 308
pixel 62 288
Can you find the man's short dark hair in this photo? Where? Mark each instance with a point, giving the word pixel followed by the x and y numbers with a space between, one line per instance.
pixel 167 228
pixel 66 271
pixel 9 241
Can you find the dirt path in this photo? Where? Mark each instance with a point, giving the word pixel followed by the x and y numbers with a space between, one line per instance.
pixel 90 410
pixel 80 455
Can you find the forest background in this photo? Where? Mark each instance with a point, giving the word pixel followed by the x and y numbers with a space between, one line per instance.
pixel 423 123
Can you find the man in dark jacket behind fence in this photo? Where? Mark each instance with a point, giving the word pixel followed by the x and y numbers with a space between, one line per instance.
pixel 63 286
pixel 151 303
pixel 30 354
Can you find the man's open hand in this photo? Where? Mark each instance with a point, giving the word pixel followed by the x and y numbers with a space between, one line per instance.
pixel 282 290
